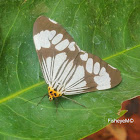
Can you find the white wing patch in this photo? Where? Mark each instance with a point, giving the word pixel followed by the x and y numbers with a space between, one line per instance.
pixel 70 74
pixel 71 46
pixel 41 40
pixel 48 62
pixel 63 79
pixel 111 66
pixel 96 68
pixel 61 71
pixel 79 85
pixel 57 38
pixel 84 57
pixel 62 45
pixel 45 71
pixel 53 21
pixel 52 34
pixel 58 61
pixel 103 80
pixel 78 75
pixel 89 65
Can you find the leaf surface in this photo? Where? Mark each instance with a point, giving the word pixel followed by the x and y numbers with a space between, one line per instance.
pixel 108 29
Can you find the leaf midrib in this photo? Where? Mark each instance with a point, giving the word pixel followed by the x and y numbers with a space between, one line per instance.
pixel 13 95
pixel 119 53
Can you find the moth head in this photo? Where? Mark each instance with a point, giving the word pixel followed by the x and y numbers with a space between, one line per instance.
pixel 53 93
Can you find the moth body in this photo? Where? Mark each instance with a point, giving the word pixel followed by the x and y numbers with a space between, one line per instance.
pixel 53 93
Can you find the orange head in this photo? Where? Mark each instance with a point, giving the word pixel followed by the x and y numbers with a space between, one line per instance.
pixel 52 93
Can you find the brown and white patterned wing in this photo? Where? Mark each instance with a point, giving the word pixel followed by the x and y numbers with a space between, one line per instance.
pixel 92 73
pixel 64 65
pixel 55 48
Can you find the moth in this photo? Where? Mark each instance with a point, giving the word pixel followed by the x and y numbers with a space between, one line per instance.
pixel 66 68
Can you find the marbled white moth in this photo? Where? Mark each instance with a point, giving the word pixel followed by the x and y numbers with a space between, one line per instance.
pixel 66 68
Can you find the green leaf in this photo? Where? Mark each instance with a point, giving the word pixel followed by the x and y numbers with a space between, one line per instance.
pixel 108 29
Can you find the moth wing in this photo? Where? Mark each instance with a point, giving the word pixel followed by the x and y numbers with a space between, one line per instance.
pixel 64 65
pixel 56 49
pixel 92 73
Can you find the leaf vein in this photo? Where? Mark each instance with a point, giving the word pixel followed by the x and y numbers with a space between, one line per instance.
pixel 76 13
pixel 20 92
pixel 132 57
pixel 55 8
pixel 9 32
pixel 119 53
pixel 17 68
pixel 22 116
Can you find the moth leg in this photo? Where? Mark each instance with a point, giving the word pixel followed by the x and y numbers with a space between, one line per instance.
pixel 57 102
pixel 41 99
pixel 32 99
pixel 73 101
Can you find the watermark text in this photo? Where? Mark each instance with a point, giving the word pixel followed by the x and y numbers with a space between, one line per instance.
pixel 129 120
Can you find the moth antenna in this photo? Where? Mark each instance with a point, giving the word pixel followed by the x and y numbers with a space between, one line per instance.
pixel 73 101
pixel 32 99
pixel 41 99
